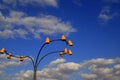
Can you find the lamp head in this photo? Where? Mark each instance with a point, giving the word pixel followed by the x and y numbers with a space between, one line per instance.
pixel 65 51
pixel 9 56
pixel 61 54
pixel 47 41
pixel 63 38
pixel 70 52
pixel 70 43
pixel 2 50
pixel 22 58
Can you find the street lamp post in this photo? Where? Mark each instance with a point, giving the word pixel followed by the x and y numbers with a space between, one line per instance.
pixel 37 60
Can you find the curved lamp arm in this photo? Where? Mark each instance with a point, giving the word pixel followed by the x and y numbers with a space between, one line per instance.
pixel 46 56
pixel 39 53
pixel 37 62
pixel 31 60
pixel 24 57
pixel 12 55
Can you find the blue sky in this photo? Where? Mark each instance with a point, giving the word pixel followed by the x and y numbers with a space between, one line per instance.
pixel 92 25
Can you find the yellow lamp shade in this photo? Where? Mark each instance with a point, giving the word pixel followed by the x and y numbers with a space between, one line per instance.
pixel 47 41
pixel 70 52
pixel 63 38
pixel 61 54
pixel 70 43
pixel 65 51
pixel 2 50
pixel 9 56
pixel 22 58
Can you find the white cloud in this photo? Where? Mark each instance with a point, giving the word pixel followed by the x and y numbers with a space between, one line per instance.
pixel 106 15
pixel 117 66
pixel 11 62
pixel 88 76
pixel 101 69
pixel 94 69
pixel 6 34
pixel 15 14
pixel 60 72
pixel 8 65
pixel 43 3
pixel 53 3
pixel 18 24
pixel 101 61
pixel 56 62
pixel 69 67
pixel 21 32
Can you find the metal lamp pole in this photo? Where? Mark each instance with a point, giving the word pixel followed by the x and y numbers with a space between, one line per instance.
pixel 37 60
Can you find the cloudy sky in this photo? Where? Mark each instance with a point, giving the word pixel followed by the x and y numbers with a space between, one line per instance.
pixel 92 25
